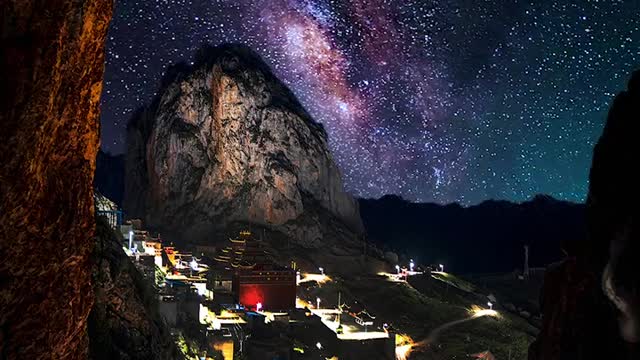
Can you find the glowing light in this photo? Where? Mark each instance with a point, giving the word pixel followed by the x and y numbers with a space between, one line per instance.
pixel 321 271
pixel 411 264
pixel 441 268
pixel 319 278
pixel 362 335
pixel 392 277
pixel 319 346
pixel 317 303
pixel 402 352
pixel 226 348
pixel 477 312
pixel 301 304
pixel 404 345
pixel 343 106
pixel 130 239
pixel 201 288
pixel 490 305
pixel 259 306
pixel 398 268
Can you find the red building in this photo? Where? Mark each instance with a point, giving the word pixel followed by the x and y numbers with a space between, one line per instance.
pixel 257 280
pixel 273 288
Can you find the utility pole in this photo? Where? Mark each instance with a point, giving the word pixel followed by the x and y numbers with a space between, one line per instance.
pixel 526 262
pixel 339 308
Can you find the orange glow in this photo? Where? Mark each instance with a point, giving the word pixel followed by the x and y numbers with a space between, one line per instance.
pixel 226 348
pixel 404 346
pixel 477 311
pixel 301 304
pixel 319 278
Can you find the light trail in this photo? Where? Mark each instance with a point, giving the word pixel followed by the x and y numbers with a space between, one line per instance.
pixel 319 278
pixel 475 312
pixel 392 277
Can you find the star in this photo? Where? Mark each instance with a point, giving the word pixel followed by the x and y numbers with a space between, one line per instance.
pixel 431 100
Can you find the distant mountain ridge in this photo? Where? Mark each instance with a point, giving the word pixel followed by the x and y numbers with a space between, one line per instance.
pixel 444 233
pixel 488 237
pixel 451 233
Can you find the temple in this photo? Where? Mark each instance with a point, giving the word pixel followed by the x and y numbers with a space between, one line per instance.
pixel 257 281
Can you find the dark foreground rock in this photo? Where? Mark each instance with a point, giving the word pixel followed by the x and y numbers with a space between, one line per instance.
pixel 124 322
pixel 51 69
pixel 226 142
pixel 591 300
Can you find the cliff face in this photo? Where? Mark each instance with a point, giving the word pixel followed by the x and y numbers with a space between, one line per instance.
pixel 227 142
pixel 591 300
pixel 124 322
pixel 51 69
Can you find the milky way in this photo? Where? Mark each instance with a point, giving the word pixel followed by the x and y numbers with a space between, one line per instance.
pixel 432 100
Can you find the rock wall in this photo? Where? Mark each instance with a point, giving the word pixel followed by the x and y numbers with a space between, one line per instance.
pixel 52 63
pixel 124 322
pixel 591 300
pixel 227 142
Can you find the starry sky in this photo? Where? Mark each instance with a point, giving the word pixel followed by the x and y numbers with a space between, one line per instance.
pixel 438 101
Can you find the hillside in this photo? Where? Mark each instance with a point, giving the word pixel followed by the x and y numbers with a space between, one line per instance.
pixel 488 237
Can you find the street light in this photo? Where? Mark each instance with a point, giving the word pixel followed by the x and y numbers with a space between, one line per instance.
pixel 319 346
pixel 318 303
pixel 321 271
pixel 490 305
pixel 258 306
pixel 411 265
pixel 441 268
pixel 130 239
pixel 398 269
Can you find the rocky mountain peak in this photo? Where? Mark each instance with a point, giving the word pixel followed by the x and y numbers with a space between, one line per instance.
pixel 226 142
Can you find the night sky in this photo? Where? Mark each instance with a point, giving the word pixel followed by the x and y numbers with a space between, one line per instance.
pixel 439 101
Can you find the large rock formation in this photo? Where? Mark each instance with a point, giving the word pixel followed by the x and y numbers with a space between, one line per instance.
pixel 591 300
pixel 51 70
pixel 226 142
pixel 124 322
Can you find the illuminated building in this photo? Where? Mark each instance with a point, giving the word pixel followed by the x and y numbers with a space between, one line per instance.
pixel 225 346
pixel 107 209
pixel 274 288
pixel 171 255
pixel 257 279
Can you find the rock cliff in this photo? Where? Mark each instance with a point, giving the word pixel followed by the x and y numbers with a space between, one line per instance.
pixel 591 300
pixel 51 69
pixel 124 322
pixel 226 142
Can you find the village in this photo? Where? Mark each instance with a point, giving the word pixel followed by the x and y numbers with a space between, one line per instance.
pixel 235 300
